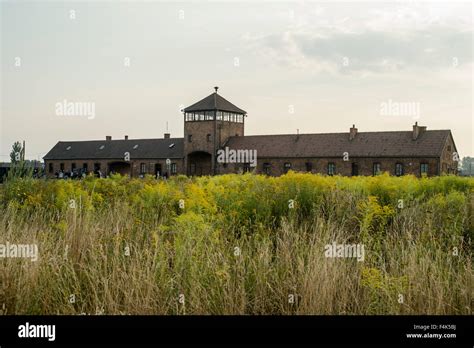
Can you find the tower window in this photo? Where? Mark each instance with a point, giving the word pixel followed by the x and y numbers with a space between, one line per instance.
pixel 208 137
pixel 190 138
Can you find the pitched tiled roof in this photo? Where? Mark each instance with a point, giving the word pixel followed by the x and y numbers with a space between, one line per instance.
pixel 115 149
pixel 214 102
pixel 365 144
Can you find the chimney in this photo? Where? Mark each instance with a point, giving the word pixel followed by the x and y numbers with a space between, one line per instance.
pixel 417 130
pixel 167 135
pixel 352 132
pixel 126 137
pixel 108 137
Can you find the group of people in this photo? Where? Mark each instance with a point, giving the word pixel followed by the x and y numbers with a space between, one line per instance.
pixel 75 174
pixel 82 173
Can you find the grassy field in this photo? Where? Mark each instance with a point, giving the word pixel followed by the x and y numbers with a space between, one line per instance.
pixel 238 244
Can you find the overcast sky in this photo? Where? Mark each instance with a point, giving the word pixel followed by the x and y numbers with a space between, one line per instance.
pixel 316 67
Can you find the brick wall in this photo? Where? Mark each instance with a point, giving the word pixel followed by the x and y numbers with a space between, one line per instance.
pixel 320 165
pixel 200 141
pixel 448 163
pixel 135 166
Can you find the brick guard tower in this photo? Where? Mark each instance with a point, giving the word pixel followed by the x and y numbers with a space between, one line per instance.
pixel 208 124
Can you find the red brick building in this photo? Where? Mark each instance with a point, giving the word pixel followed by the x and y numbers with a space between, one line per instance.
pixel 214 124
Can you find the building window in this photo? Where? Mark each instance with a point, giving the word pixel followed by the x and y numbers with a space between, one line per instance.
pixel 190 138
pixel 209 115
pixel 50 167
pixel 354 169
pixel 96 167
pixel 267 168
pixel 73 166
pixel 246 167
pixel 173 168
pixel 331 169
pixel 286 167
pixel 142 168
pixel 449 148
pixel 376 169
pixel 424 168
pixel 398 169
pixel 208 138
pixel 61 167
pixel 84 166
pixel 309 166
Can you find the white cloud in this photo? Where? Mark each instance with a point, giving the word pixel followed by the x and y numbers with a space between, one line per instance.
pixel 373 41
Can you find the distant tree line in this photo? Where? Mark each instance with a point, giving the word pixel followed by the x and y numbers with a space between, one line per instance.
pixel 466 167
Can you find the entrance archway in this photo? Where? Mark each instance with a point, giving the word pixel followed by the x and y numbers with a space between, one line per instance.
pixel 199 163
pixel 119 167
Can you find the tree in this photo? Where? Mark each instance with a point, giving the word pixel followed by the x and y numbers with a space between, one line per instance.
pixel 17 154
pixel 467 166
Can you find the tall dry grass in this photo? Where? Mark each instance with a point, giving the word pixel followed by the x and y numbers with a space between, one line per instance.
pixel 126 246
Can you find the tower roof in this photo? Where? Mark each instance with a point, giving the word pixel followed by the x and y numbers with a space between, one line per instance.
pixel 214 102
